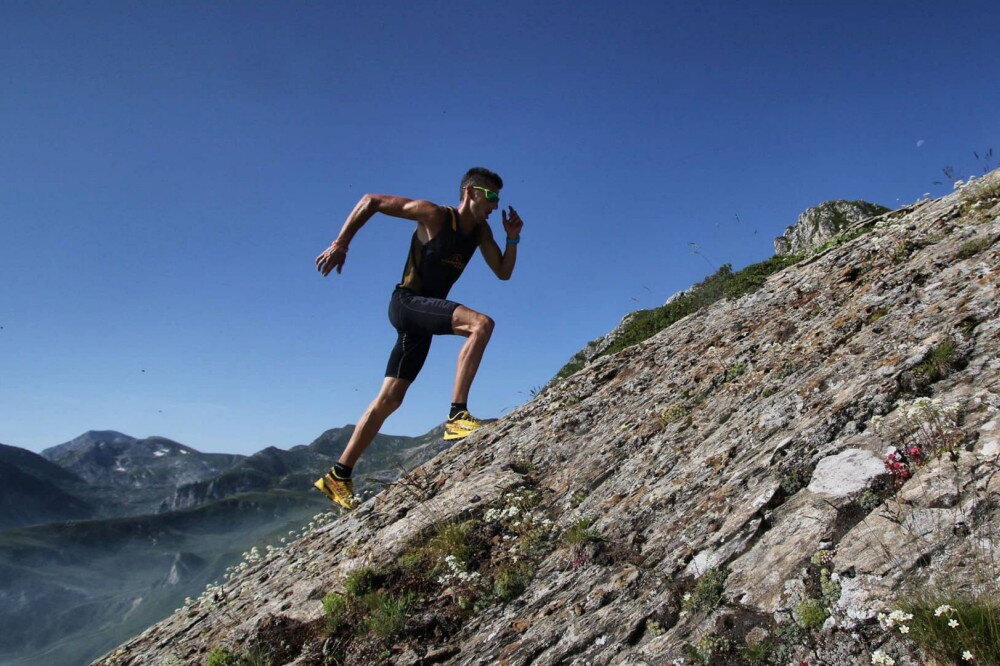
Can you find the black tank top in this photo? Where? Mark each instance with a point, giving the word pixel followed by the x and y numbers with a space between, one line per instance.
pixel 433 267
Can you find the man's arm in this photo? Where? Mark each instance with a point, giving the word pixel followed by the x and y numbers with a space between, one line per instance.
pixel 423 212
pixel 502 265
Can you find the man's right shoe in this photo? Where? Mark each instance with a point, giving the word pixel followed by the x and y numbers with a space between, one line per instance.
pixel 461 426
pixel 340 491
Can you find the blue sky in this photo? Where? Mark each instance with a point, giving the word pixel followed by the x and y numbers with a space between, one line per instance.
pixel 170 170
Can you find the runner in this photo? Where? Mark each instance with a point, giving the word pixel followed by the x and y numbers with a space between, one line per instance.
pixel 442 244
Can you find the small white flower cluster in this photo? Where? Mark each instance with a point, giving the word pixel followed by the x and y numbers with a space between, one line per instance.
pixel 880 657
pixel 896 618
pixel 213 594
pixel 950 611
pixel 877 424
pixel 498 515
pixel 922 408
pixel 515 514
pixel 457 573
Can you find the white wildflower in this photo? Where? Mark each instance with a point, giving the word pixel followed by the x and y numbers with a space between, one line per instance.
pixel 941 610
pixel 952 623
pixel 880 657
pixel 967 656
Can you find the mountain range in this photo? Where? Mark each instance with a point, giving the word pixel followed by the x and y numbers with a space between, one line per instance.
pixel 107 533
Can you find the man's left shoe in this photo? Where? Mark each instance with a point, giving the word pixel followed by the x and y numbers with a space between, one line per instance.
pixel 461 426
pixel 340 491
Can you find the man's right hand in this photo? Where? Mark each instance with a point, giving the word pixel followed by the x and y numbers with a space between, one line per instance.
pixel 332 257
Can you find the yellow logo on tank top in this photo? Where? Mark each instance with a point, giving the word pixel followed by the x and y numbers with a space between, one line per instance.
pixel 455 260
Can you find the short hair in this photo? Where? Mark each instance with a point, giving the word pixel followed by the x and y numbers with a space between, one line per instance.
pixel 481 177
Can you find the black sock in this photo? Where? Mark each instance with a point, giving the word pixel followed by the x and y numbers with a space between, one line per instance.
pixel 342 471
pixel 457 407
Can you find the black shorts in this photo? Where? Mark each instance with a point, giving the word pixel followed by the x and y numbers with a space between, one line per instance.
pixel 417 319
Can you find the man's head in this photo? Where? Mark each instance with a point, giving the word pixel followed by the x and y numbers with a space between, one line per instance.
pixel 481 188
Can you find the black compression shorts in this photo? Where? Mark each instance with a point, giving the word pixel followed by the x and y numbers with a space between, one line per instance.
pixel 417 319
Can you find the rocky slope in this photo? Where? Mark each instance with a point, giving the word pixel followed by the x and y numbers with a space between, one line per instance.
pixel 816 226
pixel 715 494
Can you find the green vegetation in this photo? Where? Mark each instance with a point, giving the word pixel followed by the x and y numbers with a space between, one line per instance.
pixel 974 247
pixel 222 657
pixel 452 540
pixel 938 362
pixel 735 371
pixel 671 414
pixel 978 200
pixel 458 567
pixel 511 580
pixel 707 591
pixel 903 250
pixel 792 477
pixel 581 532
pixel 708 646
pixel 362 581
pixel 757 652
pixel 335 609
pixel 387 613
pixel 810 614
pixel 949 626
pixel 877 314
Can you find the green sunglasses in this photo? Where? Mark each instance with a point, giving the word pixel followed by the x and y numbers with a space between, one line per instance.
pixel 490 194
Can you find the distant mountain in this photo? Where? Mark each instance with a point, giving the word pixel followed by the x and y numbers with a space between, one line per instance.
pixel 129 476
pixel 34 490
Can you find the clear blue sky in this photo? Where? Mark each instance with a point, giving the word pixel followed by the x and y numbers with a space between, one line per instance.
pixel 170 170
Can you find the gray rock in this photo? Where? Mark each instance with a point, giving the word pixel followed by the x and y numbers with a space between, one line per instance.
pixel 846 473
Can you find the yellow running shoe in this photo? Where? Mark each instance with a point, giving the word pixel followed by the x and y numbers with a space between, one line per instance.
pixel 461 426
pixel 340 491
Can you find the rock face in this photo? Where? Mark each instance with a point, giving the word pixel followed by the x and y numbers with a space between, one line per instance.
pixel 821 223
pixel 716 463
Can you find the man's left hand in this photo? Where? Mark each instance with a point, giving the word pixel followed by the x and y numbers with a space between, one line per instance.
pixel 511 223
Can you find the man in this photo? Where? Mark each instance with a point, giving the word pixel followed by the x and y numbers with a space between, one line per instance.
pixel 442 244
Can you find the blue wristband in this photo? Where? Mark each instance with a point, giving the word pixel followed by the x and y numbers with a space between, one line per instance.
pixel 513 241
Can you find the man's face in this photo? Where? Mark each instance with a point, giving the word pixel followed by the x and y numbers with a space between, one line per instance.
pixel 480 198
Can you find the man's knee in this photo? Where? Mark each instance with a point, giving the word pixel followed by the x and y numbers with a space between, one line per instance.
pixel 484 325
pixel 389 403
pixel 391 396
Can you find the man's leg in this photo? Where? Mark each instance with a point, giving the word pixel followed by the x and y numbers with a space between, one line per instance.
pixel 389 398
pixel 477 328
pixel 337 484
